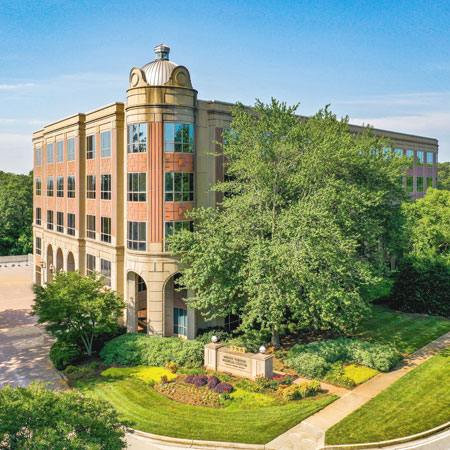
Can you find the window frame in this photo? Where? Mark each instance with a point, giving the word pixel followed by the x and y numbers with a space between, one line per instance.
pixel 105 229
pixel 91 232
pixel 180 328
pixel 38 245
pixel 420 186
pixel 175 195
pixel 38 218
pixel 428 163
pixel 105 194
pixel 140 194
pixel 71 152
pixel 60 184
pixel 71 189
pixel 90 258
pixel 409 187
pixel 140 144
pixel 38 186
pixel 91 182
pixel 420 158
pixel 134 240
pixel 59 225
pixel 174 143
pixel 70 229
pixel 50 151
pixel 50 219
pixel 105 152
pixel 50 187
pixel 90 146
pixel 105 271
pixel 38 156
pixel 60 151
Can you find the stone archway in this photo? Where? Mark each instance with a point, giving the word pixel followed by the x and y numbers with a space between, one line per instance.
pixel 176 311
pixel 70 262
pixel 49 263
pixel 137 314
pixel 59 260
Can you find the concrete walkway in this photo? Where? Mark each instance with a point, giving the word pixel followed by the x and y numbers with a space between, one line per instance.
pixel 310 434
pixel 24 345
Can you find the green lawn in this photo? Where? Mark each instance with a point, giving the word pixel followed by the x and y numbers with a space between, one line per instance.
pixel 406 332
pixel 417 402
pixel 250 423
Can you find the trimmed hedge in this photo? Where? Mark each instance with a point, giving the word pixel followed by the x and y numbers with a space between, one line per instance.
pixel 140 349
pixel 422 286
pixel 314 360
pixel 65 353
pixel 204 335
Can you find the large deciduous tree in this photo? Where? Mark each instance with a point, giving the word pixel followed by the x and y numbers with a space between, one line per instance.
pixel 36 418
pixel 77 307
pixel 16 213
pixel 309 208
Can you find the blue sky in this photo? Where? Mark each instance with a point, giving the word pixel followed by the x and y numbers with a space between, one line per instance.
pixel 386 63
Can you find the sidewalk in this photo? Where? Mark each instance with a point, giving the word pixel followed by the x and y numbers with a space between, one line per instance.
pixel 310 434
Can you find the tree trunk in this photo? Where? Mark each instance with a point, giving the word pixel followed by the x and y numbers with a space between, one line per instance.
pixel 275 338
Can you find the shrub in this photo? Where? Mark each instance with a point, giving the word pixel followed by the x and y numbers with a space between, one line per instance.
pixel 309 364
pixel 190 379
pixel 336 375
pixel 199 380
pixel 213 382
pixel 291 393
pixel 204 335
pixel 64 353
pixel 359 374
pixel 140 349
pixel 223 387
pixel 314 360
pixel 422 285
pixel 172 367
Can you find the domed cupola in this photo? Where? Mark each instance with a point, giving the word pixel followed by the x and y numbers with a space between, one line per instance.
pixel 157 73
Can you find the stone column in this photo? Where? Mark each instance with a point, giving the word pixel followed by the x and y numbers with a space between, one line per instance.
pixel 211 355
pixel 132 313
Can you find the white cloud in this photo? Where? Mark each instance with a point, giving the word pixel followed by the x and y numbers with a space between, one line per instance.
pixel 16 153
pixel 9 87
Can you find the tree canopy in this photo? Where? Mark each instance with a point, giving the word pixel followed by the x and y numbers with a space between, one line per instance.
pixel 444 175
pixel 36 418
pixel 78 307
pixel 307 208
pixel 16 213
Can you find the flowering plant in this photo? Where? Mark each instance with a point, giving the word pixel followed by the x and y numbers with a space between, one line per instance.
pixel 164 379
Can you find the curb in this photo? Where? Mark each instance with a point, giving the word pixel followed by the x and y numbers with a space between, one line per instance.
pixel 192 443
pixel 381 444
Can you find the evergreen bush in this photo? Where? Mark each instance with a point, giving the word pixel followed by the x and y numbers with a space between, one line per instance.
pixel 65 353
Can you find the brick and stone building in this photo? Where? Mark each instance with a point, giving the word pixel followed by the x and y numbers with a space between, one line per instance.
pixel 110 184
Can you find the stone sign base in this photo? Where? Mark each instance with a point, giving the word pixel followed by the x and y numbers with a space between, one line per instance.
pixel 220 358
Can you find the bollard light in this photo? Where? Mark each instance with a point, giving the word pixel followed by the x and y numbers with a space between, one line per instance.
pixel 262 349
pixel 214 339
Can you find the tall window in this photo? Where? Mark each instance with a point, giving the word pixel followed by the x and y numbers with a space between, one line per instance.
pixel 71 186
pixel 409 184
pixel 38 157
pixel 420 159
pixel 60 222
pixel 179 187
pixel 137 138
pixel 430 159
pixel 137 187
pixel 105 187
pixel 105 231
pixel 90 264
pixel 105 270
pixel 410 154
pixel 398 152
pixel 90 186
pixel 178 138
pixel 71 149
pixel 38 245
pixel 60 151
pixel 137 235
pixel 105 144
pixel 429 182
pixel 38 186
pixel 50 153
pixel 90 226
pixel 71 224
pixel 172 227
pixel 419 182
pixel 49 220
pixel 60 186
pixel 38 216
pixel 90 147
pixel 180 321
pixel 50 187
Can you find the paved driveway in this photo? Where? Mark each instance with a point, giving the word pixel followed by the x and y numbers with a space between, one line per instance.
pixel 24 345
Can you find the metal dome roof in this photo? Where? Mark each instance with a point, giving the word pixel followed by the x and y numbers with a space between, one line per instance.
pixel 157 73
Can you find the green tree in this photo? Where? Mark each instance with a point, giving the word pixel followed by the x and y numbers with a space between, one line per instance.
pixel 78 308
pixel 39 419
pixel 16 213
pixel 444 175
pixel 428 225
pixel 308 210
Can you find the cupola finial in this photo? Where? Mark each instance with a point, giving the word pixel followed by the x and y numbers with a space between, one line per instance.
pixel 162 52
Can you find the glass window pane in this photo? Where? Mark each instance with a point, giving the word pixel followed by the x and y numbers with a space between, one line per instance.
pixel 178 182
pixel 168 148
pixel 179 148
pixel 191 134
pixel 186 134
pixel 168 132
pixel 178 133
pixel 169 182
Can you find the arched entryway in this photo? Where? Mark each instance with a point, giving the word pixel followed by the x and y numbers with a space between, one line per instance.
pixel 70 262
pixel 59 260
pixel 49 263
pixel 137 314
pixel 175 307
